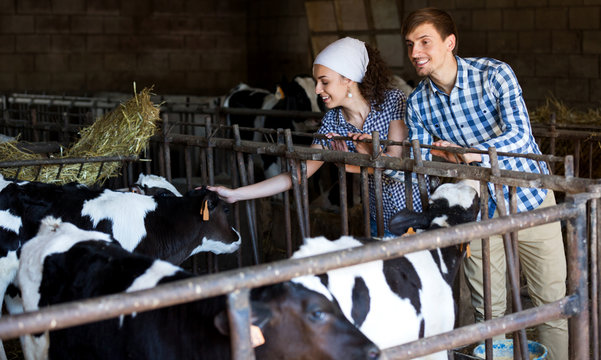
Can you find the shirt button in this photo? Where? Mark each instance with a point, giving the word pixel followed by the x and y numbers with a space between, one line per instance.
pixel 453 103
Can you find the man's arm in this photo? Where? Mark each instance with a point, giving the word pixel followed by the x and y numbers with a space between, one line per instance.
pixel 513 113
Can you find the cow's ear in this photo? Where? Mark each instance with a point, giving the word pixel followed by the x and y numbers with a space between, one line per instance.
pixel 136 189
pixel 403 220
pixel 221 322
pixel 260 314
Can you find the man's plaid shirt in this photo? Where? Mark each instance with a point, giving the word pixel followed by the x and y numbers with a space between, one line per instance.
pixel 485 109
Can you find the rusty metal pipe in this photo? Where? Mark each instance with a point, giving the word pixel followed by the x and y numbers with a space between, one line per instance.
pixel 65 315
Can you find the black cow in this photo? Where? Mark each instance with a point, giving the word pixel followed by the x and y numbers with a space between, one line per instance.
pixel 64 263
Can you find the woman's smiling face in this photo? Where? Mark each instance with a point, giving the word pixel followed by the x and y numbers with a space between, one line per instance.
pixel 331 86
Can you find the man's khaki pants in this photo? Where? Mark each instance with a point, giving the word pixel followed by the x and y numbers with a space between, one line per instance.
pixel 543 263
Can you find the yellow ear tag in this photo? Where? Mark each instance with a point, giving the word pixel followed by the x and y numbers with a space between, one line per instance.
pixel 256 336
pixel 279 93
pixel 204 212
pixel 410 231
pixel 467 250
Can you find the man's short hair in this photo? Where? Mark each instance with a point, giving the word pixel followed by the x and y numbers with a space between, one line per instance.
pixel 440 19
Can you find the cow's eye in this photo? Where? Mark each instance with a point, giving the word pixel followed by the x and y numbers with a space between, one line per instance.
pixel 318 315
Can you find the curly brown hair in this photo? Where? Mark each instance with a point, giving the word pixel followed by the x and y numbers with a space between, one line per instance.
pixel 377 79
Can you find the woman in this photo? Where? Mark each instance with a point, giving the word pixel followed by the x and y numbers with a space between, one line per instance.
pixel 355 84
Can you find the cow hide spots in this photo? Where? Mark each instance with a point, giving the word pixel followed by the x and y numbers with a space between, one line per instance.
pixel 128 221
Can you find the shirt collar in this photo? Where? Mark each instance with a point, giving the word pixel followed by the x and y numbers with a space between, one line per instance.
pixel 461 80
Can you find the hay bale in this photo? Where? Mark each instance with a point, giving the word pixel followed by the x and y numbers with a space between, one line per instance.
pixel 125 131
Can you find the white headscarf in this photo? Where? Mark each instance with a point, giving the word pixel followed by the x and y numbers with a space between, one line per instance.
pixel 347 56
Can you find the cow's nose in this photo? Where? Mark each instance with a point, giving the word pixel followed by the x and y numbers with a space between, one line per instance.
pixel 373 353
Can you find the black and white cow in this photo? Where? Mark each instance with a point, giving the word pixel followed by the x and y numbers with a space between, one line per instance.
pixel 64 263
pixel 298 95
pixel 407 298
pixel 154 185
pixel 169 228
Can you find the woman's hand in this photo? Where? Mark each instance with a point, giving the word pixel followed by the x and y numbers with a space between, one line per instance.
pixel 339 145
pixel 226 194
pixel 362 147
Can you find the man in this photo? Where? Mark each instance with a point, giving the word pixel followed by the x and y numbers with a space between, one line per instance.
pixel 477 103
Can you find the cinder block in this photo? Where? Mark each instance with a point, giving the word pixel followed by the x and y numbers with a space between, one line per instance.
pixel 585 17
pixel 469 4
pixel 552 66
pixel 531 3
pixel 51 62
pixel 584 66
pixel 462 18
pixel 152 62
pixel 534 41
pixel 595 90
pixel 17 24
pixel 7 7
pixel 32 43
pixel 105 7
pixel 86 62
pixel 184 24
pixel 187 61
pixel 536 89
pixel 553 18
pixel 119 62
pixel 68 6
pixel 67 43
pixel 572 89
pixel 86 24
pixel 34 82
pixel 591 42
pixel 200 42
pixel 7 45
pixel 51 24
pixel 16 63
pixel 34 6
pixel 565 2
pixel 500 3
pixel 472 43
pixel 118 25
pixel 566 41
pixel 522 19
pixel 8 82
pixel 102 43
pixel 68 81
pixel 522 64
pixel 169 7
pixel 502 42
pixel 487 20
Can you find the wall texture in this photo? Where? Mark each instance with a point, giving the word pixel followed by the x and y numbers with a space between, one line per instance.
pixel 204 47
pixel 84 46
pixel 554 46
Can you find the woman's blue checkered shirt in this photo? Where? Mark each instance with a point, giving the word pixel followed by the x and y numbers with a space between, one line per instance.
pixel 392 109
pixel 485 109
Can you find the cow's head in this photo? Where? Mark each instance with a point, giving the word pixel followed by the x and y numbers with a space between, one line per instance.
pixel 319 328
pixel 218 236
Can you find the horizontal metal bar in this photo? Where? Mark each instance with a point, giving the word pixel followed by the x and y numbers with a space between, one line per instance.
pixel 70 314
pixel 62 161
pixel 566 307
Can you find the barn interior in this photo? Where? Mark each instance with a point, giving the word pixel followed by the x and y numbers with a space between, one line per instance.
pixel 68 63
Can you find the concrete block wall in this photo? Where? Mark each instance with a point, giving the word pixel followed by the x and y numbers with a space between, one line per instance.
pixel 84 46
pixel 554 46
pixel 205 47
